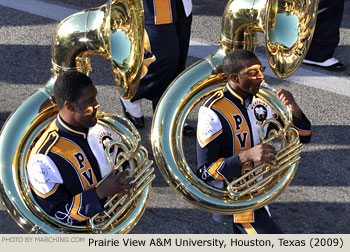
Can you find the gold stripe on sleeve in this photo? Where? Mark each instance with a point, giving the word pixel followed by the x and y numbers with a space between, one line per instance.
pixel 214 167
pixel 75 209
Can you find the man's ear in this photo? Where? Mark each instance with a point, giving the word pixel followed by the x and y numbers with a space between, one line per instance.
pixel 234 78
pixel 69 106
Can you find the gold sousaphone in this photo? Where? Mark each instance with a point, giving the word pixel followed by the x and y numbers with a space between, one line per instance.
pixel 114 31
pixel 288 27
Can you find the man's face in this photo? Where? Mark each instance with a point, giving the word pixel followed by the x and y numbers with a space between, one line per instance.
pixel 249 79
pixel 85 108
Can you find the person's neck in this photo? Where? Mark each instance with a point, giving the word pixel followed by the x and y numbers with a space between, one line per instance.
pixel 71 125
pixel 242 94
pixel 239 92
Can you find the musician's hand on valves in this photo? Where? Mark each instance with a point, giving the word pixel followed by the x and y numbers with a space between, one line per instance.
pixel 265 153
pixel 287 99
pixel 115 183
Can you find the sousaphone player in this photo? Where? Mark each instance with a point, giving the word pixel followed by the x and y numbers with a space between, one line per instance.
pixel 228 140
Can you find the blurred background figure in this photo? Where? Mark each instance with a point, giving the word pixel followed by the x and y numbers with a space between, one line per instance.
pixel 326 36
pixel 167 38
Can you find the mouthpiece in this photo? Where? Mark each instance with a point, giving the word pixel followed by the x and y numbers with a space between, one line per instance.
pixel 266 86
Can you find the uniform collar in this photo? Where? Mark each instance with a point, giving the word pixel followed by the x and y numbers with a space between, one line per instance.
pixel 244 102
pixel 66 128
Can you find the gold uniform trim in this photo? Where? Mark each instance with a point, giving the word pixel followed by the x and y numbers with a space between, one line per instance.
pixel 302 132
pixel 67 149
pixel 147 62
pixel 249 228
pixel 203 144
pixel 234 93
pixel 70 129
pixel 74 213
pixel 246 217
pixel 162 11
pixel 214 168
pixel 229 109
pixel 42 195
pixel 49 132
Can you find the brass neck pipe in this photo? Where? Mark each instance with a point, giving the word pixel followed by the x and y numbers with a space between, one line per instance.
pixel 77 36
pixel 241 20
pixel 114 31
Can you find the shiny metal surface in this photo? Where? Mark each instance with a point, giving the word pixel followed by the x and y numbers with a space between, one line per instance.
pixel 114 31
pixel 171 160
pixel 287 25
pixel 193 85
pixel 241 20
pixel 265 182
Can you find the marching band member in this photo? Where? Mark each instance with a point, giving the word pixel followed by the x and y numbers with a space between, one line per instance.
pixel 168 31
pixel 228 137
pixel 68 160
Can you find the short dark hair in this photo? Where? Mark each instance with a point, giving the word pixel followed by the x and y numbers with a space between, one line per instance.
pixel 68 86
pixel 236 60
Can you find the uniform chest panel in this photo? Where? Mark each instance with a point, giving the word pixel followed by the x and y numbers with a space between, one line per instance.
pixel 237 122
pixel 76 157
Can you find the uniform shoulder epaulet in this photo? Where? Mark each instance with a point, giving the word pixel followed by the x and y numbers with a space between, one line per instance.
pixel 48 139
pixel 214 98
